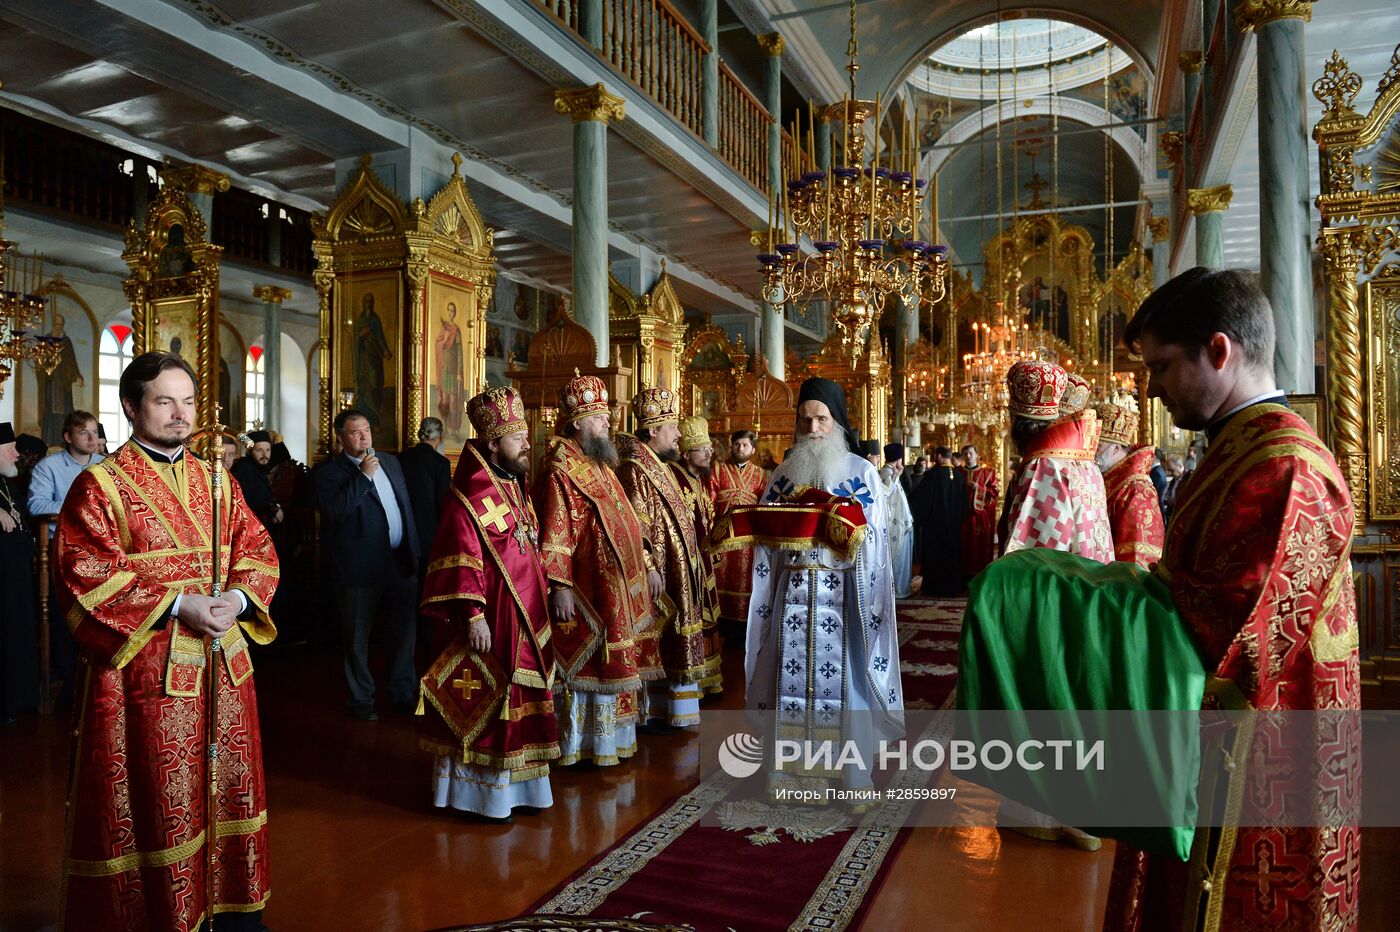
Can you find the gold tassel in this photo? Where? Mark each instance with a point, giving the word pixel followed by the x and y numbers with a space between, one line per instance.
pixel 420 710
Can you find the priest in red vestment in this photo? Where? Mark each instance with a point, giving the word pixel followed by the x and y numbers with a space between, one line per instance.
pixel 980 519
pixel 1133 511
pixel 738 482
pixel 133 563
pixel 494 733
pixel 668 536
pixel 599 584
pixel 1258 560
pixel 1058 500
pixel 693 476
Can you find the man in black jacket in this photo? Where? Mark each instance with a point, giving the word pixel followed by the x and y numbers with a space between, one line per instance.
pixel 367 526
pixel 428 475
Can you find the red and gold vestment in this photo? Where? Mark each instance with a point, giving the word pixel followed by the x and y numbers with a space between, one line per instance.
pixel 591 541
pixel 668 535
pixel 732 485
pixel 1133 510
pixel 702 507
pixel 133 535
pixel 979 524
pixel 494 708
pixel 1258 558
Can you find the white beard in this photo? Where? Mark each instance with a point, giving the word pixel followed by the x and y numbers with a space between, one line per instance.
pixel 815 459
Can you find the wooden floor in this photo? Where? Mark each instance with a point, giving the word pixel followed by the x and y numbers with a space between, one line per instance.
pixel 355 845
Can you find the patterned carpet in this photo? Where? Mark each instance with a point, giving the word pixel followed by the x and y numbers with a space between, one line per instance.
pixel 809 868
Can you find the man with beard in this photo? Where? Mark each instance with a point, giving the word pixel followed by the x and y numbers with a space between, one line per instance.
pixel 19 643
pixel 132 560
pixel 942 499
pixel 495 731
pixel 252 471
pixel 738 482
pixel 901 520
pixel 599 584
pixel 672 552
pixel 693 476
pixel 822 650
pixel 1059 499
pixel 1133 511
pixel 980 520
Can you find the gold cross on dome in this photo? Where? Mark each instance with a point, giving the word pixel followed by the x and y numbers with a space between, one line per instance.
pixel 466 685
pixel 494 514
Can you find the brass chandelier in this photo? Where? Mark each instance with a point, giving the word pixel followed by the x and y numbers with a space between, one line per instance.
pixel 848 234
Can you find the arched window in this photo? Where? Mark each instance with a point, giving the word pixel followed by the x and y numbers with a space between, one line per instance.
pixel 113 354
pixel 253 386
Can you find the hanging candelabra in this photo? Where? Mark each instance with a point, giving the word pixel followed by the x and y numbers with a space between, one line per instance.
pixel 849 233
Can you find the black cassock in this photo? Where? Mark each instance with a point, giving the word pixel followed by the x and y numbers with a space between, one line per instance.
pixel 938 513
pixel 19 621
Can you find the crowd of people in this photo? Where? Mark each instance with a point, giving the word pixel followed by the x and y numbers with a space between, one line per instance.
pixel 536 618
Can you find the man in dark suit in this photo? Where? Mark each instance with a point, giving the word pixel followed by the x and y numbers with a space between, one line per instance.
pixel 367 526
pixel 428 475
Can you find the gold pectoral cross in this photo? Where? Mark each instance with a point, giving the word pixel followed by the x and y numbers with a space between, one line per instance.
pixel 466 685
pixel 494 514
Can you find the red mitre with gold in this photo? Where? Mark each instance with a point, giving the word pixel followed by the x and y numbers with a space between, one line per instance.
pixel 583 396
pixel 1036 388
pixel 1076 397
pixel 1117 424
pixel 497 412
pixel 653 407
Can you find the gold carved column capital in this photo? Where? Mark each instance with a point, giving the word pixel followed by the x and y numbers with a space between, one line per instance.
pixel 771 43
pixel 1160 228
pixel 1191 61
pixel 589 104
pixel 1251 14
pixel 194 179
pixel 1205 200
pixel 1172 143
pixel 271 294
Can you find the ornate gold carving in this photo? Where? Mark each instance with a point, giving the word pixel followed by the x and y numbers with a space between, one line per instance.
pixel 1345 363
pixel 1205 200
pixel 771 43
pixel 1251 14
pixel 1337 88
pixel 1172 143
pixel 589 103
pixel 1392 73
pixel 1191 61
pixel 1383 319
pixel 1160 228
pixel 176 274
pixel 194 179
pixel 271 294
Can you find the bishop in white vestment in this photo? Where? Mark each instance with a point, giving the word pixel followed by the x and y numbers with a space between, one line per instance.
pixel 822 651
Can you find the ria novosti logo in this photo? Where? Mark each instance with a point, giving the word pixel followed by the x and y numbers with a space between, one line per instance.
pixel 741 755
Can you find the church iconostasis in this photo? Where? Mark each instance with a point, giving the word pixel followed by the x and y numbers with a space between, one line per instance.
pixel 173 287
pixel 404 290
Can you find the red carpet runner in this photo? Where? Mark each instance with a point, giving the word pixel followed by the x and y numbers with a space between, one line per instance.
pixel 750 874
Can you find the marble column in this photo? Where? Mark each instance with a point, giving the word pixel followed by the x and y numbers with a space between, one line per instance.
pixel 772 45
pixel 773 340
pixel 590 22
pixel 591 108
pixel 1191 62
pixel 1209 206
pixel 709 73
pixel 1160 228
pixel 1285 265
pixel 272 297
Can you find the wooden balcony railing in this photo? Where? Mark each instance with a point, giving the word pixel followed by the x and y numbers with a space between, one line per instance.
pixel 743 129
pixel 651 43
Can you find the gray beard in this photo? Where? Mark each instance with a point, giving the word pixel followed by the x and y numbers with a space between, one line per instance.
pixel 815 461
pixel 10 471
pixel 601 450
